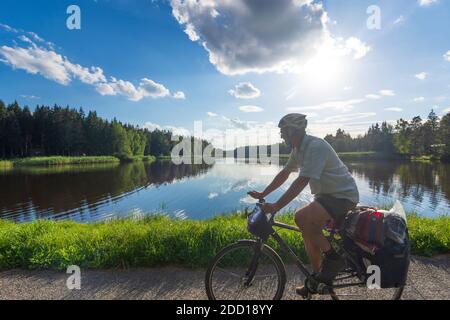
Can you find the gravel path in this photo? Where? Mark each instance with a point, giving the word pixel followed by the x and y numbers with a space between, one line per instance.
pixel 429 278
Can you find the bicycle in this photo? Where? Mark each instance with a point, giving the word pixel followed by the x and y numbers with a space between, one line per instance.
pixel 252 270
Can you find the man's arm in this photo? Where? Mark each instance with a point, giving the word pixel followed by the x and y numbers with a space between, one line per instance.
pixel 279 179
pixel 294 190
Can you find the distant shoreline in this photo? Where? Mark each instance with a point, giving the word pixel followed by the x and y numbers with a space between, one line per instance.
pixel 48 161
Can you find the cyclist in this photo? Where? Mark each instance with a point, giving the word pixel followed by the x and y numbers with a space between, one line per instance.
pixel 334 189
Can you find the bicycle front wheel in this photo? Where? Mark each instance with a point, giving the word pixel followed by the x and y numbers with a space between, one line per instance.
pixel 246 270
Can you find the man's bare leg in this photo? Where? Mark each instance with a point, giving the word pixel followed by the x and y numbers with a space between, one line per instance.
pixel 311 220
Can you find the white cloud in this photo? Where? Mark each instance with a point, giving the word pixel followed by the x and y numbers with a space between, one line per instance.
pixel 387 93
pixel 29 97
pixel 341 105
pixel 8 28
pixel 25 39
pixel 421 75
pixel 419 99
pixel 179 95
pixel 373 96
pixel 147 88
pixel 447 56
pixel 359 48
pixel 105 89
pixel 426 3
pixel 211 114
pixel 251 109
pixel 91 75
pixel 43 60
pixel 245 90
pixel 36 60
pixel 213 195
pixel 394 109
pixel 260 36
pixel 399 20
pixel 347 117
pixel 150 88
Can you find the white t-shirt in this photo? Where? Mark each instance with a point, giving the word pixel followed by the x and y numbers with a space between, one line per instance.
pixel 328 175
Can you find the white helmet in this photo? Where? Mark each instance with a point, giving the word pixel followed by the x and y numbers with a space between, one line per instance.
pixel 295 121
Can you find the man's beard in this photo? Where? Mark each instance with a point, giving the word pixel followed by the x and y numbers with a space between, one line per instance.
pixel 288 142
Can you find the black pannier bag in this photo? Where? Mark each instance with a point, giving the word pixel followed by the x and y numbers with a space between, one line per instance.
pixel 393 260
pixel 392 253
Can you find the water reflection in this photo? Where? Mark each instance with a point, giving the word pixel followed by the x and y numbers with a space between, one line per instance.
pixel 87 193
pixel 424 186
pixel 79 191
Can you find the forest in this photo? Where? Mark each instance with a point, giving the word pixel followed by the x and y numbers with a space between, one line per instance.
pixel 416 137
pixel 65 131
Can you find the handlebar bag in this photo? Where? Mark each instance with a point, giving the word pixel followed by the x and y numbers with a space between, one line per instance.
pixel 258 225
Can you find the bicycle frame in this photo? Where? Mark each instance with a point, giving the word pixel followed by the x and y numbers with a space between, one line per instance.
pixel 299 263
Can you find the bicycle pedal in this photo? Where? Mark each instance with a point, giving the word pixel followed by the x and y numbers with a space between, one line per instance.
pixel 323 289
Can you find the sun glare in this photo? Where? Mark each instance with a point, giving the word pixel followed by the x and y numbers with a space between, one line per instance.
pixel 324 70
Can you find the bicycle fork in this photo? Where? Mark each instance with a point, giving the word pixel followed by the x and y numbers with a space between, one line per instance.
pixel 251 271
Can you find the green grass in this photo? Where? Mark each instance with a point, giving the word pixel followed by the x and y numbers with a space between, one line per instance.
pixel 425 158
pixel 59 160
pixel 159 241
pixel 137 158
pixel 5 164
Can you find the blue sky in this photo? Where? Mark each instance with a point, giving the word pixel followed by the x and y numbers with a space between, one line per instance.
pixel 236 66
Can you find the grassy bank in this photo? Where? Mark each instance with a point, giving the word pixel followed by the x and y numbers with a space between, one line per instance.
pixel 427 158
pixel 137 158
pixel 59 160
pixel 4 164
pixel 157 241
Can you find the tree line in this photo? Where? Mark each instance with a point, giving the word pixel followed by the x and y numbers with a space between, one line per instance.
pixel 416 137
pixel 67 131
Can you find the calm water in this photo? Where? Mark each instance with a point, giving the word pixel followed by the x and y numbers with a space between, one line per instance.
pixel 88 193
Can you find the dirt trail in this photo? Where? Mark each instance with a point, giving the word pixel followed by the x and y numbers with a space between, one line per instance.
pixel 429 278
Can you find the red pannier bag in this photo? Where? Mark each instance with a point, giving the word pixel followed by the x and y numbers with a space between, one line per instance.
pixel 365 226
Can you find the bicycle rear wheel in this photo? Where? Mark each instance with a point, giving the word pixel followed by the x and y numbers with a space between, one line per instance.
pixel 246 271
pixel 352 291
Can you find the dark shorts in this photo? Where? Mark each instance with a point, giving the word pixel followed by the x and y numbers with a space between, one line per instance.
pixel 336 208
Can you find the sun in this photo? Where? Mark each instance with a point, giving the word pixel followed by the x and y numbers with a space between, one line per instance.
pixel 324 70
pixel 327 68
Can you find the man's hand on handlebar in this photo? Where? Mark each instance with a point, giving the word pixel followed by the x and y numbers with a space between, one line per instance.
pixel 256 195
pixel 265 207
pixel 270 208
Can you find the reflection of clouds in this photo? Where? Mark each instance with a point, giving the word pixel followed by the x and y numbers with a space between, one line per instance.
pixel 254 174
pixel 212 195
pixel 248 200
pixel 180 214
pixel 238 186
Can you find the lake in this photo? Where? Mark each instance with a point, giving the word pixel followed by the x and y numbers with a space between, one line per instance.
pixel 97 192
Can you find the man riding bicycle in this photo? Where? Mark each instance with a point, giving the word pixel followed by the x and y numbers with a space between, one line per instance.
pixel 334 189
